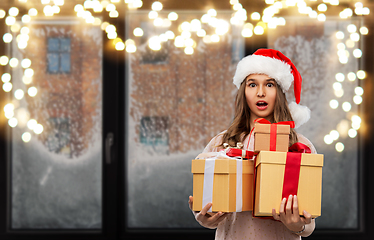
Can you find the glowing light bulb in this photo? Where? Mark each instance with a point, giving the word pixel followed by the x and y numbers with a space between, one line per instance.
pixel 171 35
pixel 188 50
pixel 357 99
pixel 351 28
pixel 172 16
pixel 346 106
pixel 120 46
pixel 328 139
pixel 359 90
pixel 33 12
pixel 6 77
pixel 339 93
pixel 32 91
pixel 339 77
pixel 13 11
pixel 361 74
pixel 7 38
pixel 246 32
pixel 334 104
pixel 352 133
pixel 38 129
pixel 26 63
pixel 7 87
pixel 9 107
pixel 322 7
pixel 255 16
pixel 259 30
pixel 364 30
pixel 18 94
pixel 29 72
pixel 337 86
pixel 321 17
pixel 138 32
pixel 339 147
pixel 152 15
pixel 26 18
pixel 154 43
pixel 212 12
pixel 157 6
pixel 2 13
pixel 13 122
pixel 339 35
pixel 357 53
pixel 334 134
pixel 158 22
pixel 351 76
pixel 26 137
pixel 31 124
pixel 215 38
pixel 131 48
pixel 355 37
pixel 4 60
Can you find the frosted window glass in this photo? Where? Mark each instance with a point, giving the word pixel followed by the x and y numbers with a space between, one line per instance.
pixel 56 177
pixel 176 104
pixel 312 48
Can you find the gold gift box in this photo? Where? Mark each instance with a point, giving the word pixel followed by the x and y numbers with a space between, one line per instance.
pixel 224 185
pixel 262 137
pixel 270 168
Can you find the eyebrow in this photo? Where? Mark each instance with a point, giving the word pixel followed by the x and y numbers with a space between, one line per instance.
pixel 268 80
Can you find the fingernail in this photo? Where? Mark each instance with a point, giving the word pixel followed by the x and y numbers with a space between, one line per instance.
pixel 284 199
pixel 290 196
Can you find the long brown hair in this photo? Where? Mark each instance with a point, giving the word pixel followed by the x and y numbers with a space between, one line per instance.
pixel 240 127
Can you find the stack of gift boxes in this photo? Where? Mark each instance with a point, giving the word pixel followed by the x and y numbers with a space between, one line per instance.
pixel 259 184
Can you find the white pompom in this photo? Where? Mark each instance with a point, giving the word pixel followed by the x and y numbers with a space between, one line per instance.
pixel 300 114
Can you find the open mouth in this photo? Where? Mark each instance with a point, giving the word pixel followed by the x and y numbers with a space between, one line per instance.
pixel 261 104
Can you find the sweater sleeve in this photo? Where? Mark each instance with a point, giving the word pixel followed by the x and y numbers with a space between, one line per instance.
pixel 213 145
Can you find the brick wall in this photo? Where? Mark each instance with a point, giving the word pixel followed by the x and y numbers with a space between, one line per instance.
pixel 194 91
pixel 75 95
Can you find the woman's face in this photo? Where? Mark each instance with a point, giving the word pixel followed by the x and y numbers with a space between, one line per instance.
pixel 260 93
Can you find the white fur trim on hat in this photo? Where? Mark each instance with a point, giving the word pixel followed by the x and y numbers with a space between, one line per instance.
pixel 257 64
pixel 300 114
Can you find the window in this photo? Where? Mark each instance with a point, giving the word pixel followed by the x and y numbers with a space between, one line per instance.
pixel 59 55
pixel 58 140
pixel 237 45
pixel 150 56
pixel 154 133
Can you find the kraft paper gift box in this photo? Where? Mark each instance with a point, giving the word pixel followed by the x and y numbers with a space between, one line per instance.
pixel 217 181
pixel 271 137
pixel 274 179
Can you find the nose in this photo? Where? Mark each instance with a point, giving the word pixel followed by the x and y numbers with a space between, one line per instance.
pixel 261 91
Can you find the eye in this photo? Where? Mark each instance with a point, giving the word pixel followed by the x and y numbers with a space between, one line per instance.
pixel 251 85
pixel 270 84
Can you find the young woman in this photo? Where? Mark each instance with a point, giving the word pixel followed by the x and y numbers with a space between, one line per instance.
pixel 262 80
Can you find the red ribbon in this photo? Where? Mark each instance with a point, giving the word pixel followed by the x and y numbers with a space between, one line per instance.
pixel 265 121
pixel 273 130
pixel 292 169
pixel 235 152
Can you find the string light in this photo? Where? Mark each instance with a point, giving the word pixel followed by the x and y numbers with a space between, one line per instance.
pixel 339 147
pixel 185 40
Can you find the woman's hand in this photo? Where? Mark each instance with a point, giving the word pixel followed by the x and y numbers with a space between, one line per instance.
pixel 289 216
pixel 205 219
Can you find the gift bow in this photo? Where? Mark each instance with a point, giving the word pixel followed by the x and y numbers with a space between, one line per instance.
pixel 299 148
pixel 235 152
pixel 265 121
pixel 273 130
pixel 292 169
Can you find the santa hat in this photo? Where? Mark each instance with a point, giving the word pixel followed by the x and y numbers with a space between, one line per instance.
pixel 277 66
